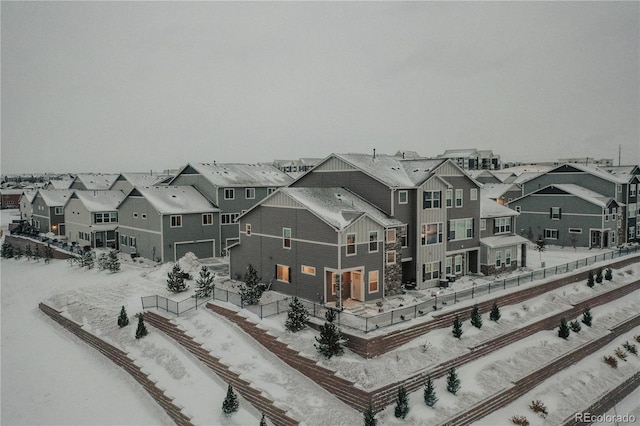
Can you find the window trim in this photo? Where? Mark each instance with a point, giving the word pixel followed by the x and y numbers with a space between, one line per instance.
pixel 250 193
pixel 232 193
pixel 308 270
pixel 390 239
pixel 473 194
pixel 376 281
pixel 351 246
pixel 177 223
pixel 431 199
pixel 247 228
pixel 403 194
pixel 394 260
pixel 286 239
pixel 460 198
pixel 374 241
pixel 207 222
pixel 283 268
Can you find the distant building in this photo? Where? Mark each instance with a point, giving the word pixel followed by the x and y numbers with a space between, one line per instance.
pixel 588 161
pixel 473 159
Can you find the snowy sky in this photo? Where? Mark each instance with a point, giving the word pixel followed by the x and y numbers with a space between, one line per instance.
pixel 136 86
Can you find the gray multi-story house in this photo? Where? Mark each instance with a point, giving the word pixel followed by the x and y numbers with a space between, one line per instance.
pixel 631 174
pixel 163 223
pixel 26 205
pixel 48 210
pixel 232 188
pixel 501 249
pixel 569 215
pixel 436 203
pixel 91 218
pixel 318 243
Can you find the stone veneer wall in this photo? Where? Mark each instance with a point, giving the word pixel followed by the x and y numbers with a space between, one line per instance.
pixel 393 273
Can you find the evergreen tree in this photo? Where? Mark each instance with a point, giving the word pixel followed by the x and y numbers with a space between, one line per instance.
pixel 7 251
pixel 17 252
pixel 113 263
pixel 102 261
pixel 457 327
pixel 263 420
pixel 28 253
pixel 230 403
pixel 495 312
pixel 251 291
pixel 476 318
pixel 297 316
pixel 330 341
pixel 123 319
pixel 402 403
pixel 564 330
pixel 48 254
pixel 430 393
pixel 36 253
pixel 175 279
pixel 141 331
pixel 453 382
pixel 590 280
pixel 370 417
pixel 205 283
pixel 575 326
pixel 599 276
pixel 608 275
pixel 87 259
pixel 587 318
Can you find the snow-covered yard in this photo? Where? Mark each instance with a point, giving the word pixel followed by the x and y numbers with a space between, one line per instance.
pixel 50 377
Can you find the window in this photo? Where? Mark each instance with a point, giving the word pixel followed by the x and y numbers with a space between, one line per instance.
pixel 483 224
pixel 132 241
pixel 250 193
pixel 459 193
pixel 207 218
pixel 403 235
pixel 449 198
pixel 631 210
pixel 632 190
pixel 286 238
pixel 59 211
pixel 373 241
pixel 229 193
pixel 498 259
pixel 282 273
pixel 247 228
pixel 431 200
pixel 431 233
pixel 448 266
pixel 308 270
pixel 518 209
pixel 334 283
pixel 507 257
pixel 123 240
pixel 403 198
pixel 575 230
pixel 501 225
pixel 229 218
pixel 458 264
pixel 619 188
pixel 632 232
pixel 556 213
pixel 270 191
pixel 391 257
pixel 473 194
pixel 176 221
pixel 391 235
pixel 105 217
pixel 373 281
pixel 551 234
pixel 351 244
pixel 430 271
pixel 460 229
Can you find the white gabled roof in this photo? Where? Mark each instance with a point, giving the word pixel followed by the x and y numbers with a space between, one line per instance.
pixel 55 197
pixel 337 206
pixel 29 195
pixel 595 171
pixel 496 190
pixel 100 201
pixel 503 241
pixel 584 193
pixel 97 181
pixel 490 208
pixel 61 183
pixel 175 199
pixel 242 175
pixel 144 179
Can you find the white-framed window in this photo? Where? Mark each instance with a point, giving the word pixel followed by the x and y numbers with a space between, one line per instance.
pixel 111 217
pixel 132 242
pixel 247 228
pixel 473 194
pixel 448 269
pixel 373 241
pixel 458 264
pixel 404 230
pixel 507 257
pixel 286 238
pixel 430 271
pixel 449 198
pixel 351 244
pixel 250 193
pixel 460 229
pixel 501 225
pixel 483 224
pixel 308 270
pixel 334 283
pixel 229 218
pixel 575 230
pixel 431 200
pixel 229 193
pixel 551 234
pixel 391 257
pixel 176 221
pixel 556 213
pixel 207 219
pixel 59 211
pixel 282 273
pixel 403 197
pixel 391 235
pixel 459 195
pixel 373 282
pixel 431 233
pixel 498 259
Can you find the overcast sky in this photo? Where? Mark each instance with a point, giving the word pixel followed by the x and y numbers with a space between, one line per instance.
pixel 139 86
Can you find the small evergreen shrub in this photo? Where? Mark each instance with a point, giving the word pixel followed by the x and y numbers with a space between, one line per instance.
pixel 575 326
pixel 123 319
pixel 430 398
pixel 590 280
pixel 631 348
pixel 608 274
pixel 611 361
pixel 453 382
pixel 204 283
pixel 476 318
pixel 637 338
pixel 141 331
pixel 230 404
pixel 370 417
pixel 297 316
pixel 252 289
pixel 495 314
pixel 402 404
pixel 538 407
pixel 599 276
pixel 457 327
pixel 330 343
pixel 176 279
pixel 564 330
pixel 587 318
pixel 263 420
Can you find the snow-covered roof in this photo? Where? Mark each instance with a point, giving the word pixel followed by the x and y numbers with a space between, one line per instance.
pixel 338 206
pixel 394 171
pixel 97 181
pixel 55 197
pixel 595 171
pixel 458 153
pixel 11 191
pixel 61 183
pixel 144 179
pixel 30 195
pixel 99 201
pixel 624 172
pixel 175 199
pixel 583 193
pixel 242 175
pixel 496 190
pixel 503 240
pixel 489 208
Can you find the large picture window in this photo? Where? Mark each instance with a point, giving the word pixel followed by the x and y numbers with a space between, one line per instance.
pixel 431 233
pixel 283 273
pixel 431 200
pixel 501 225
pixel 460 229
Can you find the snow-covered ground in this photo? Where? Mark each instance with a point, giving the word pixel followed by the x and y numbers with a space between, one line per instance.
pixel 50 377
